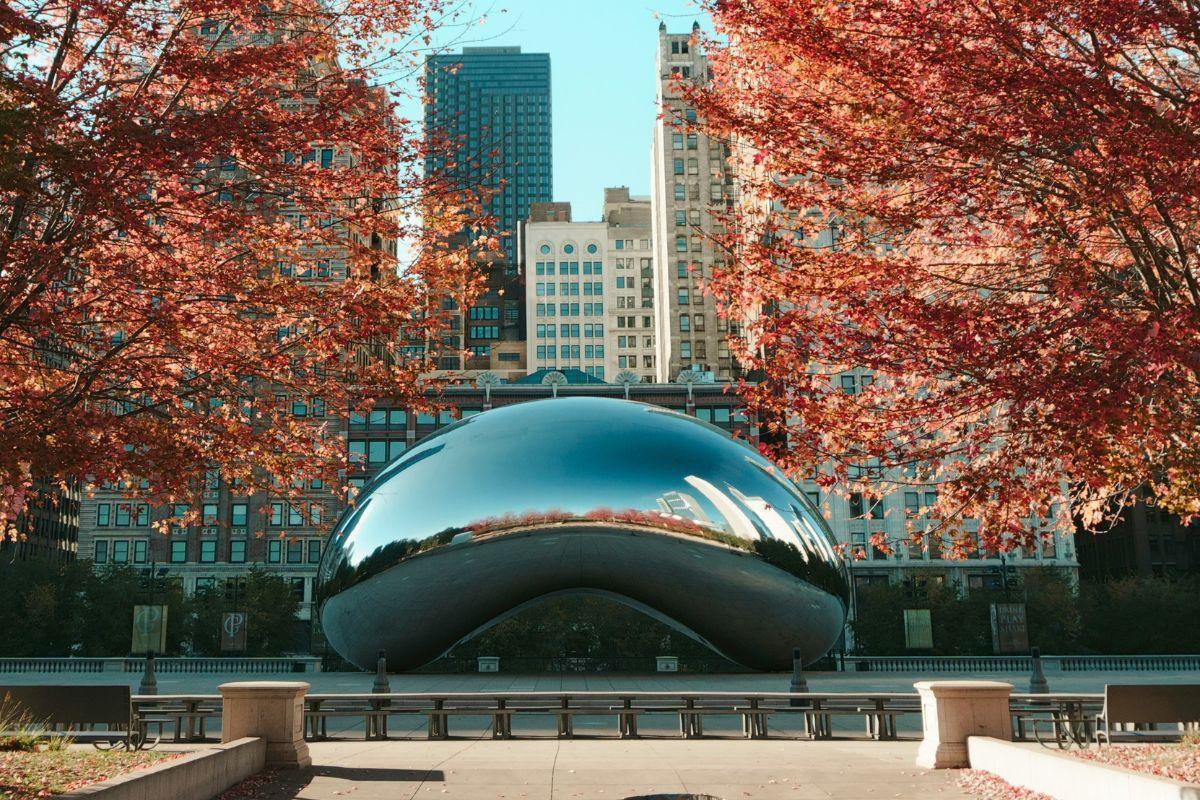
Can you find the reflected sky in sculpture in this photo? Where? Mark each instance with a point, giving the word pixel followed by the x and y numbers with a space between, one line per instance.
pixel 656 508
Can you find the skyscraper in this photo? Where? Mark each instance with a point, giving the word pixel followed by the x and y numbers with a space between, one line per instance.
pixel 488 110
pixel 690 180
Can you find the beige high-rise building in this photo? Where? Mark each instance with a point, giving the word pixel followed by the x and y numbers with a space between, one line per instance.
pixel 589 296
pixel 691 183
pixel 632 328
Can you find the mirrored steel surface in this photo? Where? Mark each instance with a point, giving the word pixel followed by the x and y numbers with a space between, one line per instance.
pixel 657 509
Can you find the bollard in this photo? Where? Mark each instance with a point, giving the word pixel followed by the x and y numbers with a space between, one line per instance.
pixel 1037 680
pixel 149 683
pixel 798 685
pixel 381 685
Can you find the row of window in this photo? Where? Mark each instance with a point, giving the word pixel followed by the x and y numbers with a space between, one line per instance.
pixel 484 332
pixel 122 515
pixel 595 309
pixel 631 362
pixel 631 322
pixel 678 141
pixel 568 268
pixel 484 312
pixel 689 322
pixel 591 330
pixel 125 551
pixel 932 547
pixel 397 419
pixel 119 514
pixel 570 351
pixel 590 289
pixel 627 244
pixel 692 192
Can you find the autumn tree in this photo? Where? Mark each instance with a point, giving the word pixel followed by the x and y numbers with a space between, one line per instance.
pixel 992 208
pixel 208 210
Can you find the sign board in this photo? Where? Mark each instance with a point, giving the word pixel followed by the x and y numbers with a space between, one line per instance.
pixel 233 632
pixel 1010 632
pixel 918 629
pixel 488 663
pixel 667 663
pixel 149 629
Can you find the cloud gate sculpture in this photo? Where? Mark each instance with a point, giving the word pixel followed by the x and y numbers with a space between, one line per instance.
pixel 652 508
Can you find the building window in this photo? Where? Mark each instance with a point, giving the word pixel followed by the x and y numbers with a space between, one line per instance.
pixel 100 551
pixel 677 141
pixel 685 350
pixel 912 504
pixel 238 515
pixel 314 551
pixel 681 244
pixel 178 552
pixel 295 551
pixel 685 323
pixel 210 513
pixel 208 551
pixel 295 517
pixel 103 515
pixel 237 552
pixel 274 551
pixel 123 515
pixel 140 549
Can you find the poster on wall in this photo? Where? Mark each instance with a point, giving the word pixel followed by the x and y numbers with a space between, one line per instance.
pixel 918 629
pixel 149 629
pixel 233 632
pixel 1010 630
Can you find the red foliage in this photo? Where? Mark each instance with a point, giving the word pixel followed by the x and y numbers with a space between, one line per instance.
pixel 987 786
pixel 1178 761
pixel 1013 193
pixel 207 211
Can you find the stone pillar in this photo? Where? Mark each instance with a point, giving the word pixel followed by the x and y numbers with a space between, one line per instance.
pixel 953 710
pixel 270 710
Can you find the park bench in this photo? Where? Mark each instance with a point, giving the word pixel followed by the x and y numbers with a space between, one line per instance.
pixel 74 711
pixel 1147 704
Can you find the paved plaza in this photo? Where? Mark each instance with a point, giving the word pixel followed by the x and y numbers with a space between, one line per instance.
pixel 611 770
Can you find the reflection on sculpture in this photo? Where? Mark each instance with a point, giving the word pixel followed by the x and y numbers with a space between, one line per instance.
pixel 656 509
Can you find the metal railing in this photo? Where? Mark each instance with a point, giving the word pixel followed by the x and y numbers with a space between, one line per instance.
pixel 1050 663
pixel 276 665
pixel 809 715
pixel 20 665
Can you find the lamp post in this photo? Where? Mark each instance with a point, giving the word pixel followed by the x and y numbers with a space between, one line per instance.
pixel 149 682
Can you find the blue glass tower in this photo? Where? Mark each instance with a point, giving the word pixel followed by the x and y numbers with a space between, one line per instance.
pixel 492 105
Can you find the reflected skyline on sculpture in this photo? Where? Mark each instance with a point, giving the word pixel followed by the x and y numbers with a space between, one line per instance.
pixel 566 493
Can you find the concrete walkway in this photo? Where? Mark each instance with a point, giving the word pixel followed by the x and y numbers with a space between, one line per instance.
pixel 610 770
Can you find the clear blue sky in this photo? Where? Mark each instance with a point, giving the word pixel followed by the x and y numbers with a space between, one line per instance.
pixel 602 56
